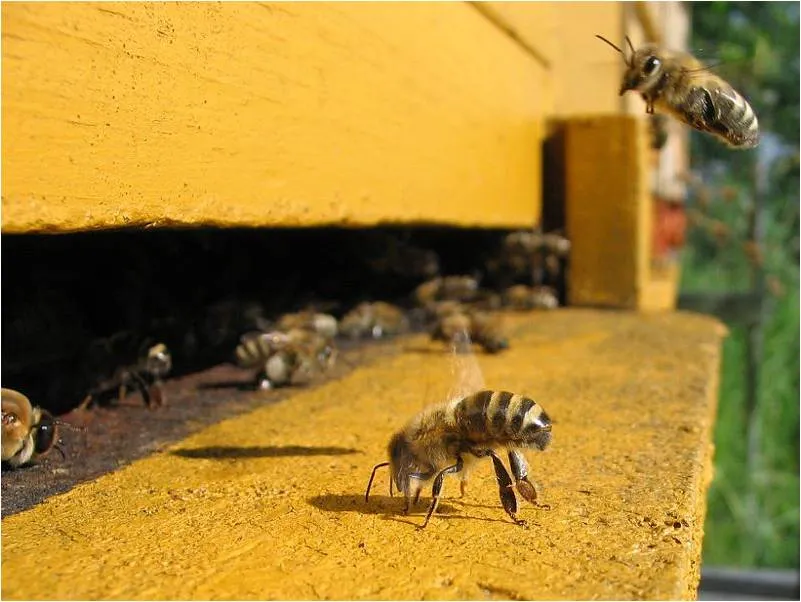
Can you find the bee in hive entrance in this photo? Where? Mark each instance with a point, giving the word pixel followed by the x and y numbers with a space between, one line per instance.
pixel 29 432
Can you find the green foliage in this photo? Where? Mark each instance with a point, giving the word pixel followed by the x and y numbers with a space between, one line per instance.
pixel 753 517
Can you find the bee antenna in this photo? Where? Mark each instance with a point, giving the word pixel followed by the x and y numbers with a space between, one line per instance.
pixel 60 450
pixel 628 41
pixel 372 476
pixel 68 425
pixel 611 44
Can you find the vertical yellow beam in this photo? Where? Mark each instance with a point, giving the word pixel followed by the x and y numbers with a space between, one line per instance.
pixel 608 210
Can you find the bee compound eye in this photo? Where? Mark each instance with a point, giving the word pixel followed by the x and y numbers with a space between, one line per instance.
pixel 651 65
pixel 45 436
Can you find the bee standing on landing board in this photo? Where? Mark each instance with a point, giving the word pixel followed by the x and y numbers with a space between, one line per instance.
pixel 323 324
pixel 377 319
pixel 146 376
pixel 480 326
pixel 678 84
pixel 522 297
pixel 448 438
pixel 446 288
pixel 284 357
pixel 29 432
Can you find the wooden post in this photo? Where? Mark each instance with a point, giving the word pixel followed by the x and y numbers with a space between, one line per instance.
pixel 609 215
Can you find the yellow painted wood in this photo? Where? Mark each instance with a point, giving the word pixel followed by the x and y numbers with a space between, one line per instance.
pixel 662 287
pixel 608 210
pixel 534 24
pixel 262 114
pixel 232 514
pixel 586 71
pixel 646 17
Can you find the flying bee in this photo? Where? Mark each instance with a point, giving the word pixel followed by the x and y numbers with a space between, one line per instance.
pixel 447 288
pixel 522 297
pixel 146 376
pixel 322 324
pixel 29 432
pixel 481 327
pixel 449 438
pixel 678 84
pixel 284 358
pixel 376 320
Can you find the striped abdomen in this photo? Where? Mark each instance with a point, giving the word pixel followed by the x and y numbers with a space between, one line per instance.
pixel 729 116
pixel 501 418
pixel 254 350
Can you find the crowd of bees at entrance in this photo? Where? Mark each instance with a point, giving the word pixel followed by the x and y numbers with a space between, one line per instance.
pixel 294 349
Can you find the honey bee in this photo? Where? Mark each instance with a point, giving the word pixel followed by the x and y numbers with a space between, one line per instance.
pixel 526 242
pixel 450 437
pixel 447 288
pixel 284 358
pixel 322 324
pixel 376 319
pixel 481 327
pixel 533 254
pixel 146 376
pixel 678 84
pixel 522 297
pixel 29 432
pixel 486 300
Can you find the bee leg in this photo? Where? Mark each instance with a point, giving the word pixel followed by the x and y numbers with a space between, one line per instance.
pixel 649 105
pixel 524 486
pixel 462 486
pixel 262 382
pixel 87 401
pixel 505 485
pixel 156 393
pixel 372 476
pixel 437 488
pixel 417 496
pixel 60 450
pixel 144 389
pixel 122 392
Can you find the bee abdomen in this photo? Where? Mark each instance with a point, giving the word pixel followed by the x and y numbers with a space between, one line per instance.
pixel 731 117
pixel 497 417
pixel 252 351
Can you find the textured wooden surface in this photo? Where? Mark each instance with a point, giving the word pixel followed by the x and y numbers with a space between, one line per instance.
pixel 608 210
pixel 261 506
pixel 266 114
pixel 270 505
pixel 587 71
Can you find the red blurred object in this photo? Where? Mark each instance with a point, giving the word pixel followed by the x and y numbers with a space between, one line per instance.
pixel 670 224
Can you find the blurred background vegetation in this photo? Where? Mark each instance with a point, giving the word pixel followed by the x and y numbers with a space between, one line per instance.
pixel 742 264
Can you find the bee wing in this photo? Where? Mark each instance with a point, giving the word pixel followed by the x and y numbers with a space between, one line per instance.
pixel 465 369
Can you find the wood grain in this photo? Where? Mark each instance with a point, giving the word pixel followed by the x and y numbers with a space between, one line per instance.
pixel 261 114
